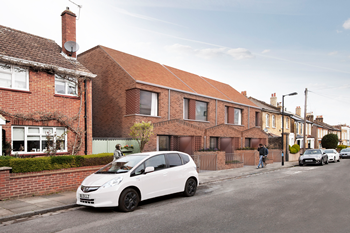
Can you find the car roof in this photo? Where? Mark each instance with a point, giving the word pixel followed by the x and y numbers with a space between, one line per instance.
pixel 151 153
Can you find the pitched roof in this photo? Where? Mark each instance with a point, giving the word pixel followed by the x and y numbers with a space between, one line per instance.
pixel 143 70
pixel 265 106
pixel 16 44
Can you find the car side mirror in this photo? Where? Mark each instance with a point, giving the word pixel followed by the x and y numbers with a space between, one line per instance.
pixel 149 169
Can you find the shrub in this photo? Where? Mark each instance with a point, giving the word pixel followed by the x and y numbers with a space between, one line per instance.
pixel 100 159
pixel 340 147
pixel 5 161
pixel 62 159
pixel 30 165
pixel 293 150
pixel 330 141
pixel 297 147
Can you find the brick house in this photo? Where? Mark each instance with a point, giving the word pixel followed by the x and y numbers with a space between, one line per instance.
pixel 45 93
pixel 324 129
pixel 189 112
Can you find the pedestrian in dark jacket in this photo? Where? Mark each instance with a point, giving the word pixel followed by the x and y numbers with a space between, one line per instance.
pixel 265 155
pixel 262 153
pixel 117 153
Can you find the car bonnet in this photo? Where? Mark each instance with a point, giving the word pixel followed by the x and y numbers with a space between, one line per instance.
pixel 100 179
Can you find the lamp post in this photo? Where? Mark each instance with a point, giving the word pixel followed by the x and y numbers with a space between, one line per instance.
pixel 294 93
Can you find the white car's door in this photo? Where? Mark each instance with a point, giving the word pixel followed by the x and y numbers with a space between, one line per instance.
pixel 155 183
pixel 178 173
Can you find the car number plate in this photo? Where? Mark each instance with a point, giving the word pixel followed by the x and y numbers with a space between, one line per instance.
pixel 85 196
pixel 308 160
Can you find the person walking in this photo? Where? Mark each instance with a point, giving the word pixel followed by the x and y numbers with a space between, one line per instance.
pixel 261 150
pixel 117 153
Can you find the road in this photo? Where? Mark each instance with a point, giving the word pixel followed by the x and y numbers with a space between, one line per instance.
pixel 298 199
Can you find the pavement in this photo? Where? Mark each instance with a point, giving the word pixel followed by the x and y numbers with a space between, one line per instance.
pixel 19 208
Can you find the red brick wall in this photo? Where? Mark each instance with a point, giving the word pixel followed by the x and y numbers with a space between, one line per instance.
pixel 41 98
pixel 68 29
pixel 29 184
pixel 132 102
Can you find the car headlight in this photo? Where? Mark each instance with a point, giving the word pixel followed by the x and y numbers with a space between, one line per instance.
pixel 113 182
pixel 318 157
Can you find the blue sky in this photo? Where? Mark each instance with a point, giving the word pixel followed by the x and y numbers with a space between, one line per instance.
pixel 260 46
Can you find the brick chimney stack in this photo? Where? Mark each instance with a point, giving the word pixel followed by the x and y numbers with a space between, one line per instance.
pixel 310 116
pixel 68 29
pixel 319 118
pixel 273 100
pixel 298 111
pixel 244 93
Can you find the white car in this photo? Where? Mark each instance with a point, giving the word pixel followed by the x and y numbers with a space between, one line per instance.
pixel 137 177
pixel 333 155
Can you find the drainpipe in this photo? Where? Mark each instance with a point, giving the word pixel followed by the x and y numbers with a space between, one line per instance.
pixel 248 117
pixel 169 105
pixel 85 119
pixel 216 112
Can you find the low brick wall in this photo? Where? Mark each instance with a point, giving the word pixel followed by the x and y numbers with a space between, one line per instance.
pixel 213 160
pixel 40 183
pixel 294 157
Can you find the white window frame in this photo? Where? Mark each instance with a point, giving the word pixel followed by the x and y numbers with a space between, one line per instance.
pixel 66 85
pixel 239 121
pixel 267 121
pixel 12 73
pixel 273 121
pixel 41 135
pixel 287 123
pixel 154 103
pixel 186 108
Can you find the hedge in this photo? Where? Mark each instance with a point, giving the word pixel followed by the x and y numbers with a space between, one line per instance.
pixel 294 149
pixel 23 165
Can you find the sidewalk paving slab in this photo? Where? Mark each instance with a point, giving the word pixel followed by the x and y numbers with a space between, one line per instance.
pixel 26 207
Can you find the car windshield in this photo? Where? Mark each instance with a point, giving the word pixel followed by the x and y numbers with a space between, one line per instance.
pixel 329 151
pixel 122 165
pixel 312 152
pixel 345 150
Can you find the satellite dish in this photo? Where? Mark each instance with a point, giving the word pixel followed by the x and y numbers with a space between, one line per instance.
pixel 71 47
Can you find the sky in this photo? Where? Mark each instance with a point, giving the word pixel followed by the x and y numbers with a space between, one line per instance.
pixel 258 46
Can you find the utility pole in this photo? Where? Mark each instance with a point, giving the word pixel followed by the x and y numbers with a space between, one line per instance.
pixel 305 107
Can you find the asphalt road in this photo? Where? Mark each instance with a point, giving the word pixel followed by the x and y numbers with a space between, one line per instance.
pixel 298 199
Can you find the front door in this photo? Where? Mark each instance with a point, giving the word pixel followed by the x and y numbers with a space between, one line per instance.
pixel 185 145
pixel 226 145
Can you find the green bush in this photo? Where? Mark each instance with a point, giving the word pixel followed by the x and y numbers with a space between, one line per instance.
pixel 330 141
pixel 99 159
pixel 5 161
pixel 30 165
pixel 62 159
pixel 293 150
pixel 297 147
pixel 340 147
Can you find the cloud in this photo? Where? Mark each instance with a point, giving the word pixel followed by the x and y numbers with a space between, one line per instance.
pixel 266 51
pixel 333 53
pixel 338 31
pixel 125 12
pixel 209 53
pixel 346 24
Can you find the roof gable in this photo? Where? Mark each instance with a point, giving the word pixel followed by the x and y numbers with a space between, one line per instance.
pixel 143 70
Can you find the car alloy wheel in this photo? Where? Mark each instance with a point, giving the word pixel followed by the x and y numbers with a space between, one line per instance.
pixel 190 187
pixel 129 200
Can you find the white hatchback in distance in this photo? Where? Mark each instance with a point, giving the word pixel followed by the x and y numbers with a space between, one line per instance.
pixel 137 177
pixel 333 155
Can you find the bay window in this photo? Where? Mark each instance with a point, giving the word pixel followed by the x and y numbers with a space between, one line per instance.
pixel 66 86
pixel 148 103
pixel 35 139
pixel 14 77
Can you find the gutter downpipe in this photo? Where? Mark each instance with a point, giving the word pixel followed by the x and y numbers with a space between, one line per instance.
pixel 85 119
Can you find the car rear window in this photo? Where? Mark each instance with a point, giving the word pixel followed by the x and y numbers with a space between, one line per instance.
pixel 185 158
pixel 173 160
pixel 345 150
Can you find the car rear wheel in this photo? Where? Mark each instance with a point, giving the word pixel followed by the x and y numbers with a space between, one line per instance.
pixel 190 187
pixel 326 161
pixel 338 159
pixel 128 200
pixel 321 162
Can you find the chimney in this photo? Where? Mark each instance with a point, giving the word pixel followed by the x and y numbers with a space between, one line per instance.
pixel 298 111
pixel 273 100
pixel 279 106
pixel 68 29
pixel 319 118
pixel 244 93
pixel 310 116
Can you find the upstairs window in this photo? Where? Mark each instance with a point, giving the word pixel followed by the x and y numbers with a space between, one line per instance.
pixel 238 116
pixel 267 120
pixel 195 110
pixel 66 86
pixel 287 123
pixel 234 115
pixel 14 77
pixel 273 121
pixel 148 103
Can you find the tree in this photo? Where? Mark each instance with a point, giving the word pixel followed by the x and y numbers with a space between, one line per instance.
pixel 141 132
pixel 330 141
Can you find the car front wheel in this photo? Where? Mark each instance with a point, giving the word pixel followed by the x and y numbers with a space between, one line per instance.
pixel 326 161
pixel 190 187
pixel 128 200
pixel 321 162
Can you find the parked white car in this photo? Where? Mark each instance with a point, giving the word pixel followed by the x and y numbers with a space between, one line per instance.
pixel 333 155
pixel 137 177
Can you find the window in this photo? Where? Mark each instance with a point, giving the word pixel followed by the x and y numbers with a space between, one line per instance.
pixel 163 143
pixel 158 162
pixel 185 158
pixel 301 128
pixel 238 116
pixel 281 122
pixel 287 123
pixel 214 142
pixel 173 160
pixel 273 121
pixel 34 139
pixel 148 103
pixel 200 113
pixel 267 120
pixel 257 119
pixel 139 170
pixel 13 77
pixel 66 86
pixel 297 128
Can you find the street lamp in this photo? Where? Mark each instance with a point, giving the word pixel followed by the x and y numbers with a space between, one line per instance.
pixel 294 93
